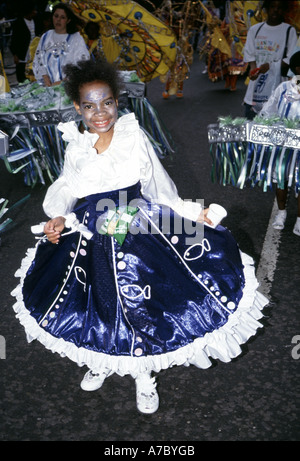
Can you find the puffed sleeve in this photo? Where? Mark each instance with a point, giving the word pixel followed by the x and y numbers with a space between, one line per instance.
pixel 78 50
pixel 38 66
pixel 157 186
pixel 59 200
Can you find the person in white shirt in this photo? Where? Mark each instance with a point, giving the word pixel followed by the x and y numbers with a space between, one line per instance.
pixel 124 290
pixel 58 47
pixel 285 102
pixel 267 49
pixel 23 31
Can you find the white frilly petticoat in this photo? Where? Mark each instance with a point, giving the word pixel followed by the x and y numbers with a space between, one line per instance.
pixel 223 344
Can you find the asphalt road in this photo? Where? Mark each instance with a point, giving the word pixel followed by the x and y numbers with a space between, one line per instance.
pixel 253 398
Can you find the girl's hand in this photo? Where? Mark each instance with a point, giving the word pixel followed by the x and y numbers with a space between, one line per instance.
pixel 54 228
pixel 203 217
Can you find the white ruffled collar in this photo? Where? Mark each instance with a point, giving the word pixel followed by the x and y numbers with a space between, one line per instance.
pixel 125 124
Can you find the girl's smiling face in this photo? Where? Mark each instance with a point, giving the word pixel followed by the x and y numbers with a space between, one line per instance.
pixel 98 107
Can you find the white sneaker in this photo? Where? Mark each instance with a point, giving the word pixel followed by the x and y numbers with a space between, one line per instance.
pixel 147 400
pixel 92 381
pixel 296 229
pixel 279 220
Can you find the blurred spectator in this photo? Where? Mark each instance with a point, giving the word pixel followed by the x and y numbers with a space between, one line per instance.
pixel 45 24
pixel 267 48
pixel 92 32
pixel 285 102
pixel 23 32
pixel 58 47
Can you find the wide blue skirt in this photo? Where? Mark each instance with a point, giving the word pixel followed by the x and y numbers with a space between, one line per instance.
pixel 163 297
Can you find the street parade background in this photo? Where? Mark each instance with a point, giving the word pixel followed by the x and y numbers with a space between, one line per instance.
pixel 155 41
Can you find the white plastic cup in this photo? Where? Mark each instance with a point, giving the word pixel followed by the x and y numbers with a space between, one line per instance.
pixel 216 213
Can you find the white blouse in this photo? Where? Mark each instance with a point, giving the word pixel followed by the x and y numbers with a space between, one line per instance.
pixel 129 158
pixel 265 44
pixel 54 51
pixel 284 101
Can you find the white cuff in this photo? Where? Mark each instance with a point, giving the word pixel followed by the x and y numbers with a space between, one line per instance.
pixel 188 209
pixel 71 220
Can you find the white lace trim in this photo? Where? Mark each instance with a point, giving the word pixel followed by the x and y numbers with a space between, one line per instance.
pixel 223 344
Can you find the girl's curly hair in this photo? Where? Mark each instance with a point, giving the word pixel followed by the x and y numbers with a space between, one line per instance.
pixel 90 71
pixel 295 62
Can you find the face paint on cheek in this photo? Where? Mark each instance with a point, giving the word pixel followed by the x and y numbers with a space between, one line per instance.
pixel 98 107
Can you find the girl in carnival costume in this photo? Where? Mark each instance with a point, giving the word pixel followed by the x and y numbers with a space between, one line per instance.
pixel 285 102
pixel 109 284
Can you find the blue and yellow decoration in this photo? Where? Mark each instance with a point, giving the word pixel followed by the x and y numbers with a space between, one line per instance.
pixel 130 36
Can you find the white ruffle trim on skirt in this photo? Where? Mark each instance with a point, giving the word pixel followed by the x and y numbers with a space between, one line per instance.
pixel 223 344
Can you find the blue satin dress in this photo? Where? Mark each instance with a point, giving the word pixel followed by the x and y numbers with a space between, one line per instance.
pixel 135 306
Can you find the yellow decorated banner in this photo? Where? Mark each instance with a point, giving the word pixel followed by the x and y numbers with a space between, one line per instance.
pixel 130 36
pixel 237 26
pixel 219 41
pixel 253 13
